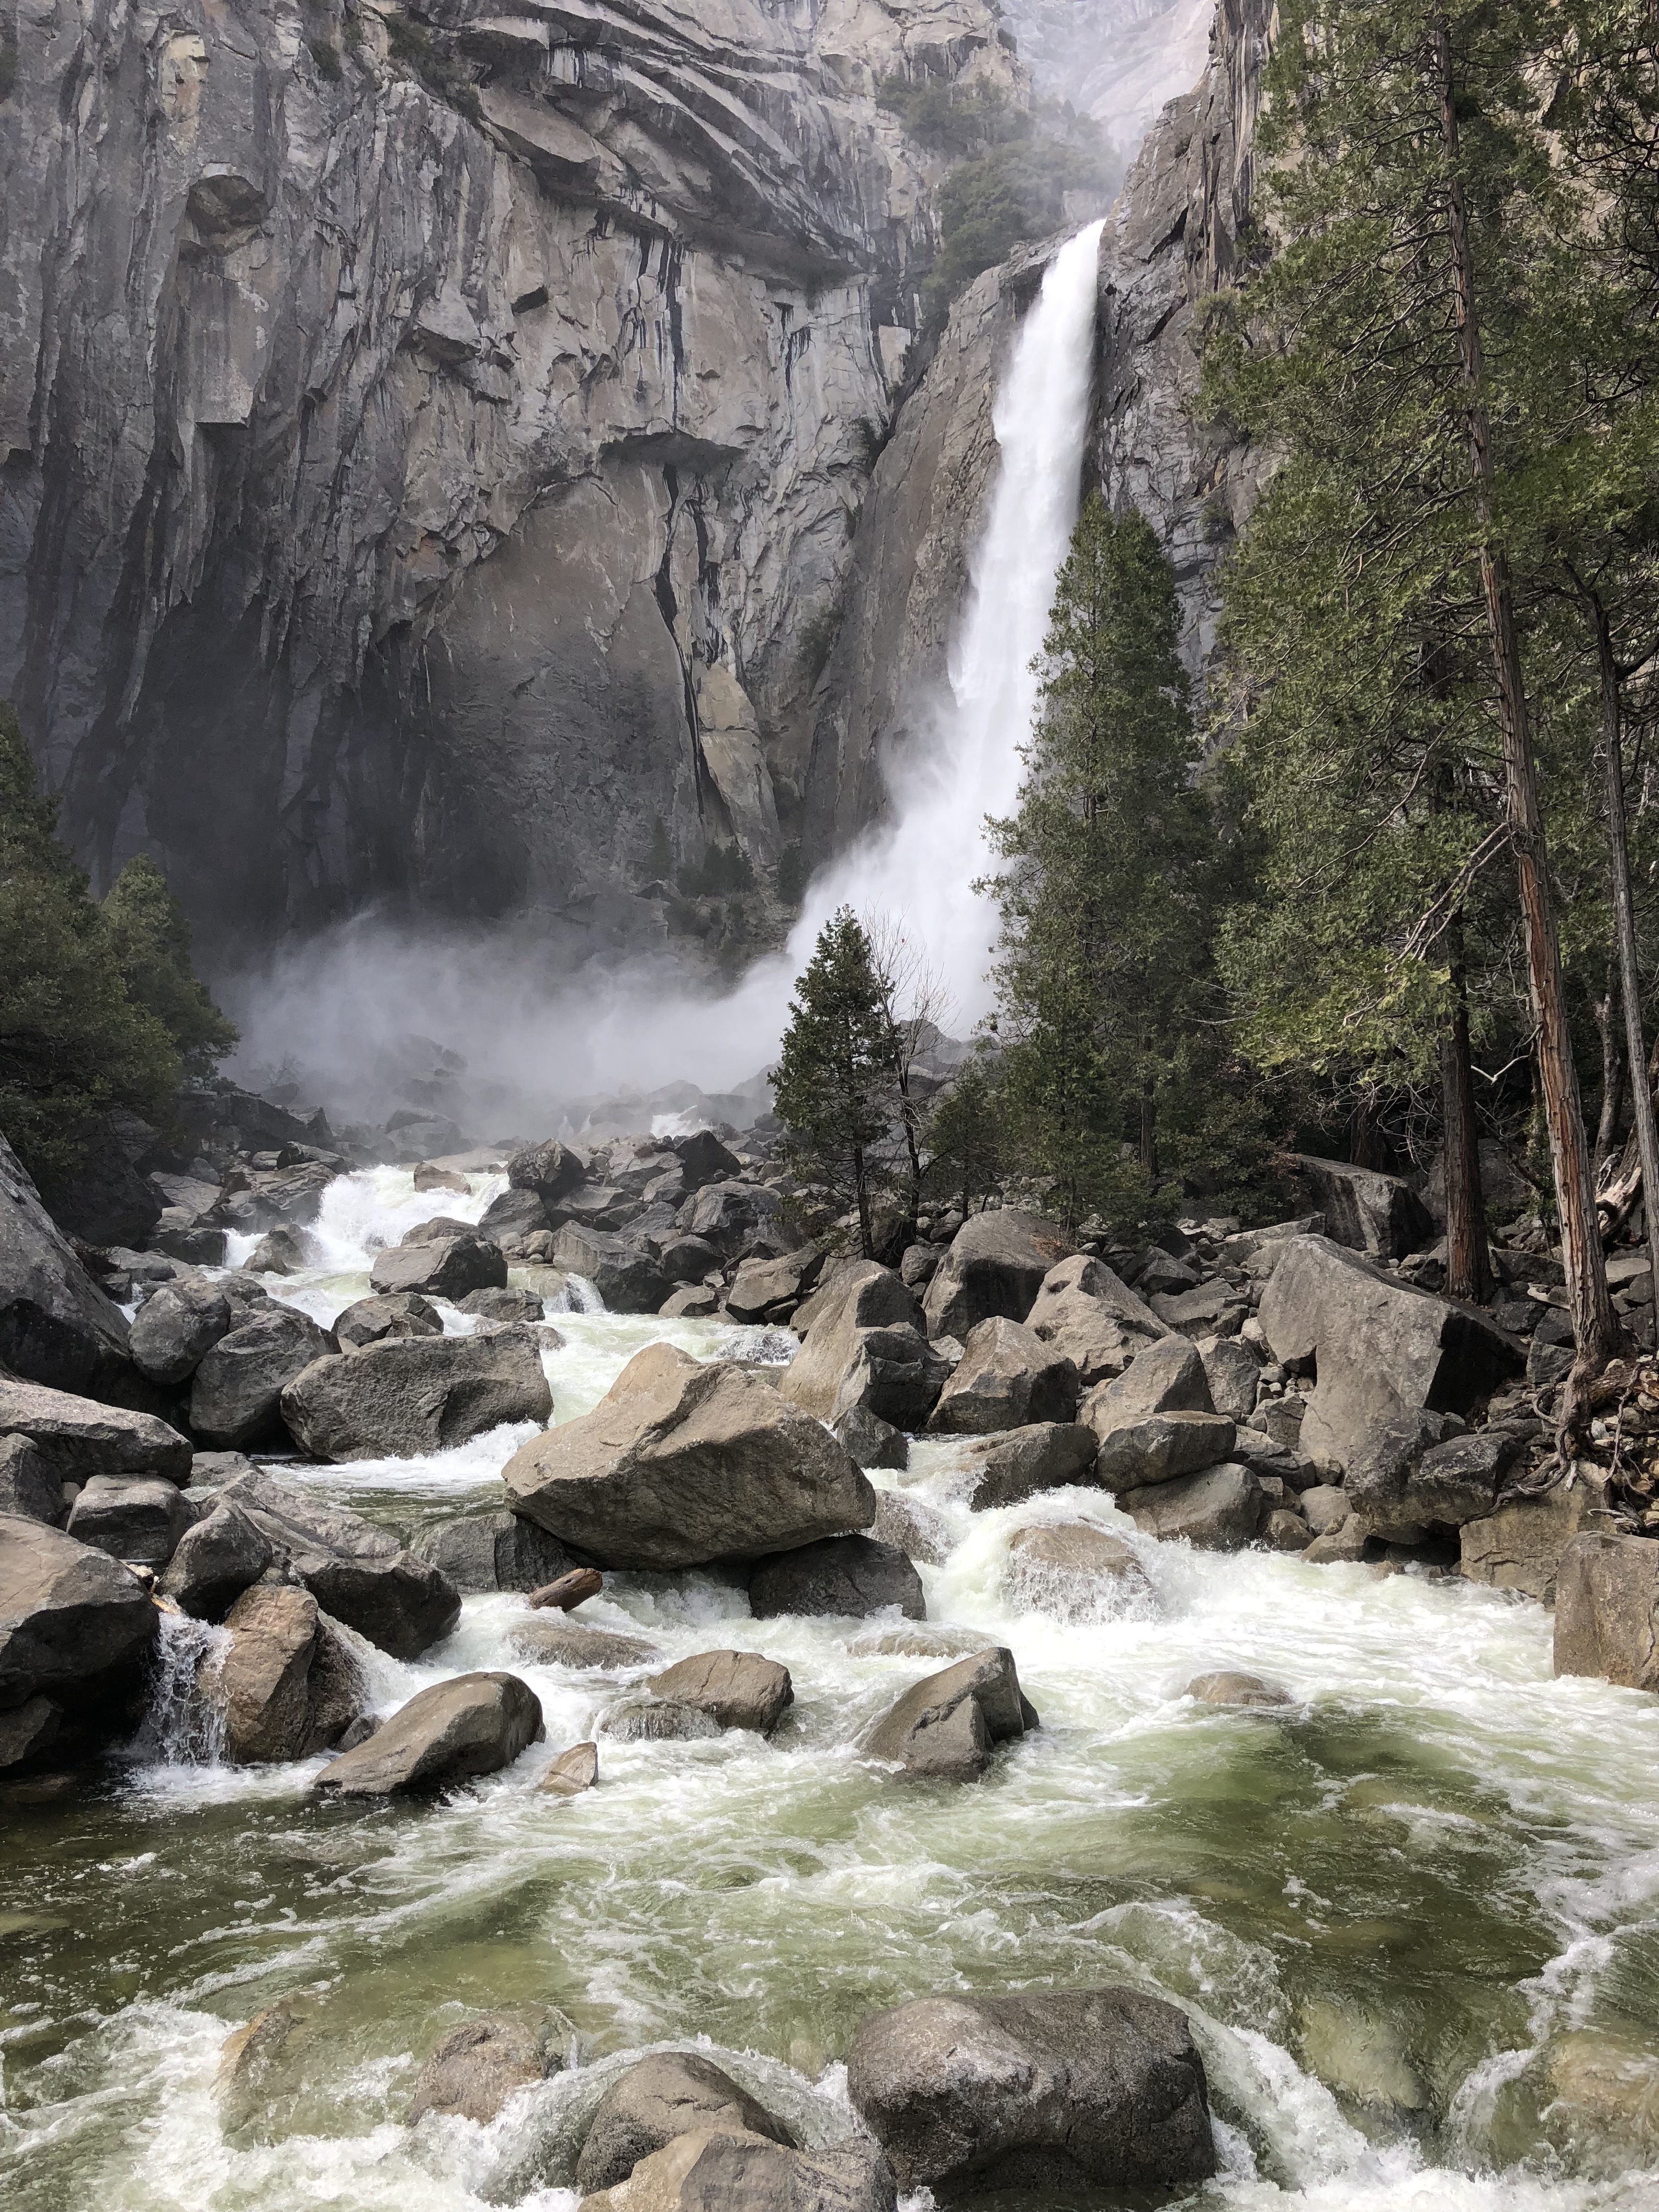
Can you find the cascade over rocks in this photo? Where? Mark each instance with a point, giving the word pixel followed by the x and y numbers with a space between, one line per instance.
pixel 1060 2089
pixel 680 1464
pixel 470 1725
pixel 1382 1348
pixel 1075 1572
pixel 851 1575
pixel 407 1396
pixel 996 1265
pixel 669 2094
pixel 74 1624
pixel 362 1575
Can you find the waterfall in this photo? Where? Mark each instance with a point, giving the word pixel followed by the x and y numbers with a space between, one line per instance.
pixel 184 1724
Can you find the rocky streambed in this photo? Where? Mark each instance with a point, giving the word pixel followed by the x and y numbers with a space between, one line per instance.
pixel 1403 1897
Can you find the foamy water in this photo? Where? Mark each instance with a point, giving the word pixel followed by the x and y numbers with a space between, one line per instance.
pixel 1414 1916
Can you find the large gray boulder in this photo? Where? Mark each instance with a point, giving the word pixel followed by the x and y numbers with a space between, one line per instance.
pixel 1233 1373
pixel 682 1463
pixel 1088 1313
pixel 1222 1509
pixel 356 1573
pixel 629 1278
pixel 1369 1212
pixel 235 1397
pixel 863 1351
pixel 515 1214
pixel 669 2094
pixel 1411 1474
pixel 1606 1609
pixel 215 1560
pixel 945 1729
pixel 30 1485
pixel 1006 1470
pixel 492 1552
pixel 1005 1377
pixel 996 1265
pixel 407 1396
pixel 735 1689
pixel 285 1684
pixel 735 1217
pixel 56 1326
pixel 470 1725
pixel 1063 2089
pixel 448 1267
pixel 1518 1546
pixel 1382 1348
pixel 177 1326
pixel 74 1625
pixel 855 1576
pixel 131 1517
pixel 371 1321
pixel 484 2061
pixel 1166 1377
pixel 1137 1450
pixel 82 1438
pixel 550 1170
pixel 724 2170
pixel 770 1289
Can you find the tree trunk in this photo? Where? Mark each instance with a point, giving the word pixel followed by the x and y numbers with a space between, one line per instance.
pixel 1148 1131
pixel 861 1188
pixel 1612 1070
pixel 1630 982
pixel 1595 1326
pixel 1469 1261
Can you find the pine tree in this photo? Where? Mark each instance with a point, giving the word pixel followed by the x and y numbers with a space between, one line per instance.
pixel 72 1041
pixel 1102 959
pixel 833 1087
pixel 150 939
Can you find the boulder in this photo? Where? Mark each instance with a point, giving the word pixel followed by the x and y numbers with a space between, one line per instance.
pixel 431 1177
pixel 919 1264
pixel 278 1252
pixel 215 1560
pixel 1076 1571
pixel 736 1689
pixel 515 1214
pixel 131 1518
pixel 286 1684
pixel 492 1552
pixel 1136 1449
pixel 80 1437
pixel 646 1719
pixel 1284 1530
pixel 74 1624
pixel 411 1395
pixel 1325 1507
pixel 56 1326
pixel 770 1289
pixel 995 1266
pixel 1370 1212
pixel 894 1375
pixel 1004 1378
pixel 235 1398
pixel 672 2093
pixel 704 2169
pixel 872 1441
pixel 1213 1309
pixel 1519 1546
pixel 735 1217
pixel 28 1730
pixel 627 1278
pixel 687 1261
pixel 553 1641
pixel 1410 1475
pixel 944 1728
pixel 1382 1348
pixel 856 1575
pixel 212 1470
pixel 1606 1609
pixel 917 1529
pixel 1233 1374
pixel 479 2065
pixel 1166 1377
pixel 105 1200
pixel 551 1171
pixel 1163 1274
pixel 681 1464
pixel 176 1326
pixel 1006 1470
pixel 830 1376
pixel 1249 1691
pixel 572 1772
pixel 30 1485
pixel 507 1305
pixel 448 1267
pixel 359 1574
pixel 1062 2090
pixel 371 1321
pixel 1084 1311
pixel 1222 1509
pixel 691 1301
pixel 470 1725
pixel 703 1159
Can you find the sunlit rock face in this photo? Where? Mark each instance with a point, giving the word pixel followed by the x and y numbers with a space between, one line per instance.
pixel 429 466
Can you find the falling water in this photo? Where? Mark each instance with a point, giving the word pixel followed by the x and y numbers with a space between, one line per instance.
pixel 184 1723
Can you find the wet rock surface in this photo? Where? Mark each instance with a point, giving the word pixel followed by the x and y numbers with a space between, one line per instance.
pixel 470 1725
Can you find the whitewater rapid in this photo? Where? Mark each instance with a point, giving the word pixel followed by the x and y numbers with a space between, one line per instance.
pixel 1414 1918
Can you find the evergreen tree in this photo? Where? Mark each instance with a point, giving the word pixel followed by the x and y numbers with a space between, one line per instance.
pixel 1102 967
pixel 966 1148
pixel 72 1041
pixel 150 939
pixel 833 1087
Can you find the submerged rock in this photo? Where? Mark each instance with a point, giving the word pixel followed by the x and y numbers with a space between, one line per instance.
pixel 1074 1571
pixel 480 2064
pixel 553 1641
pixel 573 1772
pixel 1098 2089
pixel 1236 1689
pixel 741 2173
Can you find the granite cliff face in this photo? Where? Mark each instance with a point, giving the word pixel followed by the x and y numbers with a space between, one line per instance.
pixel 430 444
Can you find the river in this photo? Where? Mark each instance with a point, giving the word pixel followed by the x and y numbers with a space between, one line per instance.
pixel 1414 1917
